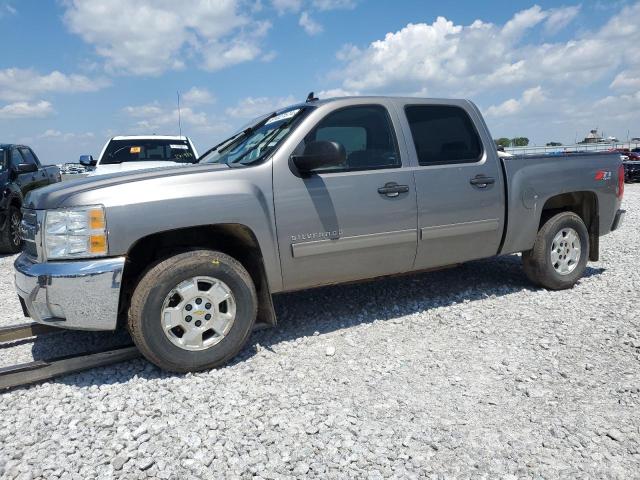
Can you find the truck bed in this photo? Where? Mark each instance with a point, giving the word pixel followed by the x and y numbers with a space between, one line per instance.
pixel 533 180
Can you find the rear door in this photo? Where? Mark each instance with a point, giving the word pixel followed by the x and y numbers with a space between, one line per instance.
pixel 458 181
pixel 339 224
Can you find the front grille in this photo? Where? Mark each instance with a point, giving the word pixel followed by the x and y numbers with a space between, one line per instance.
pixel 28 231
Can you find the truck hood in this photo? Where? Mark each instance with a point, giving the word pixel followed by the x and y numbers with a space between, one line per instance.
pixel 132 166
pixel 54 195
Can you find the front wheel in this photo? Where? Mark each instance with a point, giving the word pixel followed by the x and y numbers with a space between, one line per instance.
pixel 193 311
pixel 10 240
pixel 559 256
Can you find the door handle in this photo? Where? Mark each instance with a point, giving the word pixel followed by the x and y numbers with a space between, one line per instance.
pixel 392 189
pixel 481 181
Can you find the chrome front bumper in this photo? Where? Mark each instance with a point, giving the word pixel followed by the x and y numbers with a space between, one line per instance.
pixel 82 295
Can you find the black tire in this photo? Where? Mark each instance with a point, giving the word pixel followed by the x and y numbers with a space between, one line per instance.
pixel 537 261
pixel 10 241
pixel 144 319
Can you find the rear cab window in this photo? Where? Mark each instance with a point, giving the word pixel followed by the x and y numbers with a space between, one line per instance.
pixel 443 134
pixel 158 150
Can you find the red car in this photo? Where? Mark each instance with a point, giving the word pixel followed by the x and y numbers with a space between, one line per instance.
pixel 632 154
pixel 631 164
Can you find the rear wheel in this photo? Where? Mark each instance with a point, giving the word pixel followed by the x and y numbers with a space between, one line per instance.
pixel 193 311
pixel 559 256
pixel 10 240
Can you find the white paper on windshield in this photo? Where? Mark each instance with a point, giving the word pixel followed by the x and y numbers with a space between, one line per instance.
pixel 179 147
pixel 283 116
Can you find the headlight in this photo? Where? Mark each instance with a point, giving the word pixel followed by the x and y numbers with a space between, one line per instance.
pixel 75 233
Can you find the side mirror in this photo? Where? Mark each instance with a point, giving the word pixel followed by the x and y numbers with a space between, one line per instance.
pixel 26 168
pixel 87 161
pixel 320 154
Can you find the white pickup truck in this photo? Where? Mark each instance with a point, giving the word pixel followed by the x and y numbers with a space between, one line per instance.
pixel 129 153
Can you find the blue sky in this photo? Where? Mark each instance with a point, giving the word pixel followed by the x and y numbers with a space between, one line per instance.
pixel 75 72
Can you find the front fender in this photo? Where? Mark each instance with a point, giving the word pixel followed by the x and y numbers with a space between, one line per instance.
pixel 135 210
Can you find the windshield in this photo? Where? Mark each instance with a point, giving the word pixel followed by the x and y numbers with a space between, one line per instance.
pixel 148 150
pixel 252 144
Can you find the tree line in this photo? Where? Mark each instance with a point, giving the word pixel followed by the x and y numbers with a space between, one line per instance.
pixel 512 142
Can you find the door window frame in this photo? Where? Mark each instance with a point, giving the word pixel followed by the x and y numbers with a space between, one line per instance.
pixel 15 151
pixel 33 155
pixel 394 132
pixel 479 159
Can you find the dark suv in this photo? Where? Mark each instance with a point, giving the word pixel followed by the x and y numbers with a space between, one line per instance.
pixel 20 172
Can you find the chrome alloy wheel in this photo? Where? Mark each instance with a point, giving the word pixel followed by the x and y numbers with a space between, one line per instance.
pixel 198 313
pixel 565 251
pixel 15 229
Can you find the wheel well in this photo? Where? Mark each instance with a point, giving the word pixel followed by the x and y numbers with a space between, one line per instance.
pixel 583 204
pixel 235 240
pixel 15 202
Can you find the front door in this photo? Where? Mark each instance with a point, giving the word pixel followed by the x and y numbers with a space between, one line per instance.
pixel 341 224
pixel 25 181
pixel 39 176
pixel 459 184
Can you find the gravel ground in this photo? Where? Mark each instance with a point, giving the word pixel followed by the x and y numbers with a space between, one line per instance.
pixel 468 372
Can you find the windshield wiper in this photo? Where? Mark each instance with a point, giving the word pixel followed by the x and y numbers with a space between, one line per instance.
pixel 234 139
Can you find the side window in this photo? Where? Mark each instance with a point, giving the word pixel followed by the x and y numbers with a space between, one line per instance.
pixel 16 158
pixel 28 157
pixel 352 139
pixel 3 160
pixel 443 134
pixel 366 133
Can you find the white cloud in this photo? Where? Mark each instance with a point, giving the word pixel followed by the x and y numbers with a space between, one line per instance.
pixel 156 118
pixel 25 84
pixel 218 56
pixel 6 9
pixel 26 110
pixel 334 4
pixel 197 96
pixel 446 59
pixel 523 21
pixel 559 18
pixel 531 97
pixel 309 24
pixel 58 135
pixel 336 92
pixel 283 6
pixel 252 107
pixel 566 119
pixel 149 37
pixel 628 80
pixel 147 110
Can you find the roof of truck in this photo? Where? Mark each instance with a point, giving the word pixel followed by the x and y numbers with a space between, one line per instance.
pixel 356 98
pixel 382 97
pixel 9 145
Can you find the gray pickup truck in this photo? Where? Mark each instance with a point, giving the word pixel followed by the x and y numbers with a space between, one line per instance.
pixel 322 192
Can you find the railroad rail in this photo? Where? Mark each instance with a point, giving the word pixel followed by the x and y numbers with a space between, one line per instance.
pixel 24 374
pixel 40 370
